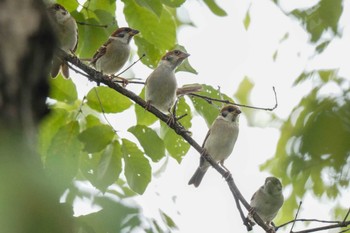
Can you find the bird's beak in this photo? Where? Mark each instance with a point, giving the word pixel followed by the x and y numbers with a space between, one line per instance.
pixel 184 55
pixel 239 111
pixel 134 32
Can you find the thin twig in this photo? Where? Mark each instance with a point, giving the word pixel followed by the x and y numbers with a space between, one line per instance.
pixel 93 25
pixel 103 110
pixel 243 217
pixel 117 81
pixel 210 99
pixel 342 224
pixel 305 220
pixel 127 68
pixel 80 107
pixel 344 230
pixel 77 71
pixel 347 215
pixel 296 216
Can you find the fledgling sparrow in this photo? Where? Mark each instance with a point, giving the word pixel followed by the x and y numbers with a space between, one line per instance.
pixel 161 85
pixel 267 200
pixel 219 141
pixel 67 33
pixel 113 54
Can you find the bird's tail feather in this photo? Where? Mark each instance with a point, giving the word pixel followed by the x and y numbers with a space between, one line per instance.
pixel 197 176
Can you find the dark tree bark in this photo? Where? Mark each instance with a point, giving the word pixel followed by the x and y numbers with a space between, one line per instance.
pixel 28 201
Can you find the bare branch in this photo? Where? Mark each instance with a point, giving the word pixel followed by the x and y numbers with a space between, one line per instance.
pixel 127 68
pixel 93 25
pixel 210 100
pixel 344 230
pixel 332 226
pixel 347 215
pixel 103 110
pixel 305 220
pixel 296 216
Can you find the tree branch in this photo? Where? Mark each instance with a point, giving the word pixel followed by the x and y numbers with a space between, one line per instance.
pixel 210 99
pixel 98 77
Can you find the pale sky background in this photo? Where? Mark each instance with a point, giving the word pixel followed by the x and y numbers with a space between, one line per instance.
pixel 223 53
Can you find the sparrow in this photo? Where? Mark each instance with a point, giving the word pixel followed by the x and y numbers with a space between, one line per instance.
pixel 267 200
pixel 161 85
pixel 66 30
pixel 113 54
pixel 219 141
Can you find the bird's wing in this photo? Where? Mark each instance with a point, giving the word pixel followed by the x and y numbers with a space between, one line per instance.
pixel 100 52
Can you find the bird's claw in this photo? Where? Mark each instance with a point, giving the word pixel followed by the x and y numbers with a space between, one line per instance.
pixel 171 120
pixel 121 80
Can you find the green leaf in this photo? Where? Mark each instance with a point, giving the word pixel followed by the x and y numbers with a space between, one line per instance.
pixel 96 138
pixel 68 4
pixel 215 8
pixel 150 141
pixel 284 38
pixel 330 12
pixel 303 76
pixel 175 144
pixel 275 55
pixel 185 65
pixel 153 54
pixel 246 21
pixel 209 111
pixel 144 117
pixel 111 218
pixel 109 167
pixel 244 90
pixel 63 155
pixel 105 99
pixel 182 109
pixel 154 6
pixel 88 166
pixel 168 220
pixel 321 47
pixel 92 120
pixel 137 168
pixel 173 3
pixel 124 191
pixel 159 31
pixel 327 75
pixel 321 17
pixel 63 89
pixel 243 93
pixel 48 128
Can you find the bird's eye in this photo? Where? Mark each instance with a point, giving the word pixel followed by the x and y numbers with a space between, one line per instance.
pixel 127 29
pixel 57 7
pixel 121 34
pixel 176 52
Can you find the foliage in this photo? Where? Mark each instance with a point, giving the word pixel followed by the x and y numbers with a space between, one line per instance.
pixel 313 150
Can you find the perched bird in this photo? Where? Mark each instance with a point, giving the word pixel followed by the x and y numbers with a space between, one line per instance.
pixel 67 33
pixel 267 200
pixel 161 84
pixel 219 141
pixel 113 54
